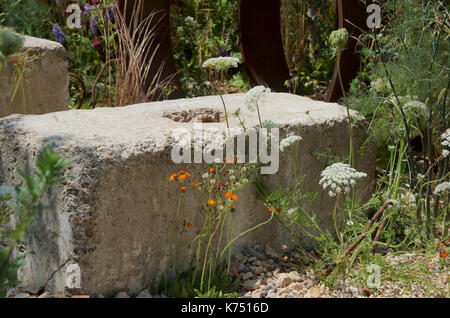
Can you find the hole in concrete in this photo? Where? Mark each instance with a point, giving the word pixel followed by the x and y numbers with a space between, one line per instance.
pixel 204 115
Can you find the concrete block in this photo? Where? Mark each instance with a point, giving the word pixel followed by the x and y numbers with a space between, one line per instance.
pixel 44 88
pixel 111 219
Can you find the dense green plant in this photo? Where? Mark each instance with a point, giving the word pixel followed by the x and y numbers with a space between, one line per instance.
pixel 30 17
pixel 25 204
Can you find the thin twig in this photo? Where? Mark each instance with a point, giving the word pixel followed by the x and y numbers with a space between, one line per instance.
pixel 375 217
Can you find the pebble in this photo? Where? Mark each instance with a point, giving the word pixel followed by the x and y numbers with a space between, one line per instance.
pixel 256 269
pixel 255 253
pixel 252 284
pixel 238 257
pixel 122 295
pixel 144 294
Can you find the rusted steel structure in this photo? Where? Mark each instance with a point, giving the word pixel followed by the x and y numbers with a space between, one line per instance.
pixel 261 43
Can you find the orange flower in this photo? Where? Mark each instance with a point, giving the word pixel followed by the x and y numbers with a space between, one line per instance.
pixel 211 202
pixel 444 254
pixel 211 170
pixel 19 63
pixel 184 173
pixel 188 224
pixel 271 209
pixel 227 195
pixel 173 177
pixel 233 208
pixel 195 184
pixel 182 176
pixel 183 188
pixel 12 60
pixel 234 197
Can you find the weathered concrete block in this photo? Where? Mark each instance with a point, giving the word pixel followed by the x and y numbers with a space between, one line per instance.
pixel 113 215
pixel 44 88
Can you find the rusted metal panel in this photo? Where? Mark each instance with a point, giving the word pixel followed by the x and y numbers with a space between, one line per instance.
pixel 261 43
pixel 161 44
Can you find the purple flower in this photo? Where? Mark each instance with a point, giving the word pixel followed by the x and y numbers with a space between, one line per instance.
pixel 58 33
pixel 110 13
pixel 93 25
pixel 87 8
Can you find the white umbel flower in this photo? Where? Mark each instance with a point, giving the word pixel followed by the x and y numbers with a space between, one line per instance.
pixel 340 178
pixel 446 143
pixel 221 63
pixel 442 188
pixel 287 142
pixel 256 96
pixel 414 106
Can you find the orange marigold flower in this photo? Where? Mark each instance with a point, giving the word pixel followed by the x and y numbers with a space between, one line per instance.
pixel 188 224
pixel 182 176
pixel 195 184
pixel 233 207
pixel 183 188
pixel 211 170
pixel 227 195
pixel 12 60
pixel 173 177
pixel 444 254
pixel 234 197
pixel 19 63
pixel 211 202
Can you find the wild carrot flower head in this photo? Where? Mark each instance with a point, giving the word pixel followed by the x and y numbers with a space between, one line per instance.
pixel 256 96
pixel 446 143
pixel 221 63
pixel 380 85
pixel 287 142
pixel 338 39
pixel 442 188
pixel 340 178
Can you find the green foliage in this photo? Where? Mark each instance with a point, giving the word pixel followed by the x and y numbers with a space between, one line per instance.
pixel 48 172
pixel 30 17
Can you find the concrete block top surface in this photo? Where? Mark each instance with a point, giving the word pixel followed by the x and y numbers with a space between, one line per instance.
pixel 152 121
pixel 32 42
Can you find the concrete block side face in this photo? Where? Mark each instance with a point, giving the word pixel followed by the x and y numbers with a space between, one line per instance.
pixel 44 87
pixel 48 244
